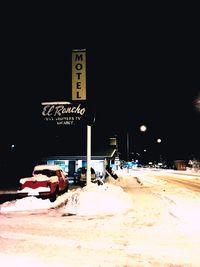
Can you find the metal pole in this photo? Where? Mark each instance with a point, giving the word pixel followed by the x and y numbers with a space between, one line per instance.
pixel 127 144
pixel 88 154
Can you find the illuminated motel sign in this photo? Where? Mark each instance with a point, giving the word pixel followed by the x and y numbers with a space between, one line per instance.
pixel 63 113
pixel 78 75
pixel 72 112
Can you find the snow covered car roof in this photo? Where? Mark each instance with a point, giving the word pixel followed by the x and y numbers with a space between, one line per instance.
pixel 49 167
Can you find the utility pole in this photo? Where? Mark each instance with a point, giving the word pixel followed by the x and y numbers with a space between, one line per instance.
pixel 127 150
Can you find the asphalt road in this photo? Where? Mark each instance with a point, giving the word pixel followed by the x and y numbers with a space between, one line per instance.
pixel 190 181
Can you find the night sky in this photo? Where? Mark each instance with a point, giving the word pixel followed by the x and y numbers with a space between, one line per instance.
pixel 142 68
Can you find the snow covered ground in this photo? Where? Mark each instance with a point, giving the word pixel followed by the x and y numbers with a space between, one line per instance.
pixel 159 222
pixel 107 199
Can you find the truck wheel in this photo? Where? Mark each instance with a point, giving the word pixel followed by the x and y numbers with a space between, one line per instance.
pixel 55 195
pixel 66 189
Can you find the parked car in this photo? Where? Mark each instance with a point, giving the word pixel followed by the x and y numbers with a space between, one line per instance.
pixel 47 181
pixel 81 174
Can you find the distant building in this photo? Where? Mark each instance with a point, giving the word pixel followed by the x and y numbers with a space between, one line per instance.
pixel 194 165
pixel 181 165
pixel 71 162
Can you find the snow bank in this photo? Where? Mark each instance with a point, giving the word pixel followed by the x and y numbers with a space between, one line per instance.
pixel 27 203
pixel 89 200
pixel 106 199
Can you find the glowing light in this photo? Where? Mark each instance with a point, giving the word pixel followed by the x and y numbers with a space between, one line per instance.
pixel 197 103
pixel 143 128
pixel 159 140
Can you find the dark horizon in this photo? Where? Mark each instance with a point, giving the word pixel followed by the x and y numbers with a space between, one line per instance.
pixel 142 71
pixel 166 107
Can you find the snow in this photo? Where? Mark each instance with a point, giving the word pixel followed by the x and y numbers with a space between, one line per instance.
pixel 110 198
pixel 106 199
pixel 37 177
pixel 164 218
pixel 47 167
pixel 27 203
pixel 34 192
pixel 90 200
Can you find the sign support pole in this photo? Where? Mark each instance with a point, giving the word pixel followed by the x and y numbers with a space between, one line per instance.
pixel 88 154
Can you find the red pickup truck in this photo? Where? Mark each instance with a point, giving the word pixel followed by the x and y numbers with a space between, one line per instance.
pixel 47 181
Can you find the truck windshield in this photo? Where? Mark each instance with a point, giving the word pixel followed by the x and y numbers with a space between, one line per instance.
pixel 48 173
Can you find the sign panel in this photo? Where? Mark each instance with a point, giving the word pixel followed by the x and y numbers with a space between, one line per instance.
pixel 78 75
pixel 63 113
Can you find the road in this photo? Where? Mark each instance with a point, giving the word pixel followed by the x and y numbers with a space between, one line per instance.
pixel 187 180
pixel 149 234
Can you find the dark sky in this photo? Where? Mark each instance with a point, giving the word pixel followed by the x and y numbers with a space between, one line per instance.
pixel 142 68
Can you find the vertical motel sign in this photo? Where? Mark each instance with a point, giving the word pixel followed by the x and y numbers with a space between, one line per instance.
pixel 79 74
pixel 79 93
pixel 70 113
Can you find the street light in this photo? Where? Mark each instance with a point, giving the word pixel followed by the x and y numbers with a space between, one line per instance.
pixel 142 128
pixel 159 152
